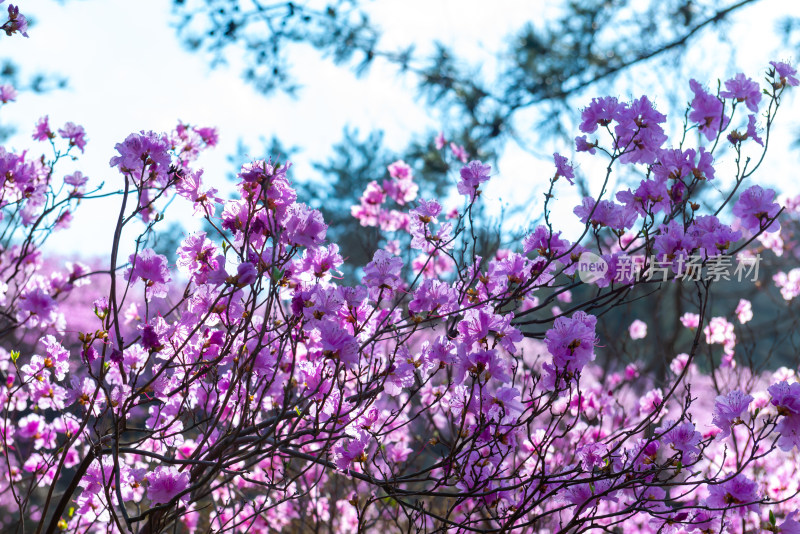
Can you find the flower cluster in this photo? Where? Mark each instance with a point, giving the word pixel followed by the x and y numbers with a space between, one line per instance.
pixel 246 388
pixel 400 188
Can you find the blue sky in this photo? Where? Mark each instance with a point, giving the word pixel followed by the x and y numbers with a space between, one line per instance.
pixel 127 72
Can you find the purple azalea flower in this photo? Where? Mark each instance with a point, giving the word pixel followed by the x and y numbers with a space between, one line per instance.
pixel 481 365
pixel 153 269
pixel 7 93
pixel 76 179
pixel 571 341
pixel 592 455
pixel 711 236
pixel 606 213
pixel 600 112
pixel 398 377
pixel 752 133
pixel 337 343
pixel 790 525
pixel 785 73
pixel 383 272
pixel 433 296
pixel 682 437
pixel 563 167
pixel 37 307
pixel 57 358
pixel 349 450
pixel 208 134
pixel 743 89
pixel 673 242
pixel 583 494
pixel 472 176
pixel 197 257
pixel 145 156
pixel 674 164
pixel 739 495
pixel 786 397
pixel 728 410
pixel 789 430
pixel 504 405
pixel 650 197
pixel 246 274
pixel 165 483
pixel 755 206
pixel 16 22
pixel 305 226
pixel 706 112
pixel 543 242
pixel 75 134
pixel 639 134
pixel 582 145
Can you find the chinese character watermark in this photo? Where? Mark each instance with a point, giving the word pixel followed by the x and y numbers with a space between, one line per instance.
pixel 693 268
pixel 690 268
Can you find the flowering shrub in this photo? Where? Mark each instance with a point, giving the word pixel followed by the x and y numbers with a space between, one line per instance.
pixel 243 389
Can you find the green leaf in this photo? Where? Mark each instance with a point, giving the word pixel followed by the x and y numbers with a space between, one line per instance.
pixel 772 518
pixel 14 356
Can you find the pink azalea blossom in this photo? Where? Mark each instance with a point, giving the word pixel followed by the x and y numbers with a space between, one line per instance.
pixel 151 268
pixel 165 483
pixel 440 141
pixel 459 152
pixel 690 320
pixel 744 311
pixel 638 329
